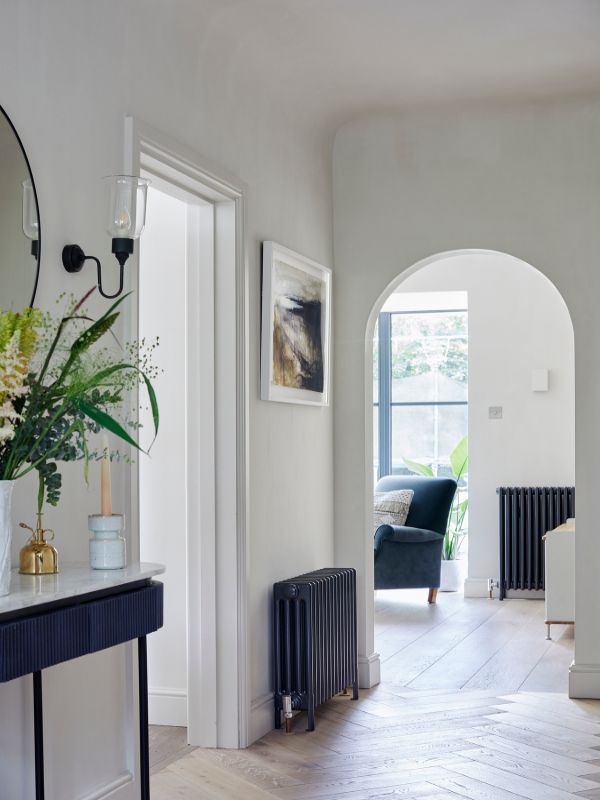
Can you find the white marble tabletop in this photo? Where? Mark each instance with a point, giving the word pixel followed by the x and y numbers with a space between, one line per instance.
pixel 74 579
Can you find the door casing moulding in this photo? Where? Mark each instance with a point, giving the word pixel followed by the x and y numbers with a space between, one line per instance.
pixel 219 564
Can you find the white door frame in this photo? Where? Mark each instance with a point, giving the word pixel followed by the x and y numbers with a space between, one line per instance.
pixel 218 563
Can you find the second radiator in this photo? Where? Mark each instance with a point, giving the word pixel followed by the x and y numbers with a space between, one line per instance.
pixel 525 515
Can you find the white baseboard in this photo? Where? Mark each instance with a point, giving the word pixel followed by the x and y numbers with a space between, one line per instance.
pixel 369 671
pixel 262 716
pixel 476 587
pixel 109 790
pixel 584 681
pixel 167 707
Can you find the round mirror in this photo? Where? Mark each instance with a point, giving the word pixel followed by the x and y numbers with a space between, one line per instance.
pixel 20 241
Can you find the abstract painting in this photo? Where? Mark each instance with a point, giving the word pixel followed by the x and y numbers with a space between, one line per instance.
pixel 295 327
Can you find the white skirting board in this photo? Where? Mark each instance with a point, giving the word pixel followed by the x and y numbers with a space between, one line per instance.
pixel 111 790
pixel 369 671
pixel 584 681
pixel 476 587
pixel 262 717
pixel 167 707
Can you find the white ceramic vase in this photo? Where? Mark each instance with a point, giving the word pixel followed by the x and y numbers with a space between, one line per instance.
pixel 6 490
pixel 451 576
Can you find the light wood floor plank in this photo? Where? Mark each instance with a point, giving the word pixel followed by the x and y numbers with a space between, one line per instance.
pixel 467 787
pixel 528 769
pixel 519 735
pixel 517 784
pixel 549 715
pixel 537 755
pixel 547 729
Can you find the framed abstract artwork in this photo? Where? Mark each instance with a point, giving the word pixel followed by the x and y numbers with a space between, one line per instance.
pixel 296 311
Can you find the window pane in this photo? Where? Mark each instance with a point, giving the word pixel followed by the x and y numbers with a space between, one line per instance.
pixel 429 357
pixel 427 434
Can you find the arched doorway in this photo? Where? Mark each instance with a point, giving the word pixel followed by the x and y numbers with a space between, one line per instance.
pixel 519 324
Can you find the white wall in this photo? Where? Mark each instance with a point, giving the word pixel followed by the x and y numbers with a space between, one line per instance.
pixel 520 179
pixel 69 73
pixel 517 322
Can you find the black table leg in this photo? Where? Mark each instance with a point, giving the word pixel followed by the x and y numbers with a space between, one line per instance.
pixel 38 735
pixel 143 704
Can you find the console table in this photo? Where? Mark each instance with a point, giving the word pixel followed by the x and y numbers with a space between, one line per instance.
pixel 48 619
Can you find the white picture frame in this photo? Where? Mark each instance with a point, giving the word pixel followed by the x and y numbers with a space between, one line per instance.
pixel 296 328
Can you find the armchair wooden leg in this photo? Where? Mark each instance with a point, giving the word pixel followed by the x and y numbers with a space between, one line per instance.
pixel 432 596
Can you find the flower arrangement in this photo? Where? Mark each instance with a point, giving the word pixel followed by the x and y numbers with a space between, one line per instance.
pixel 57 385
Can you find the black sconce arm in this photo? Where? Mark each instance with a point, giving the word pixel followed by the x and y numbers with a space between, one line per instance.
pixel 73 259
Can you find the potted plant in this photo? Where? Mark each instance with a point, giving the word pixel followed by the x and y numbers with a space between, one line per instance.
pixel 57 385
pixel 457 527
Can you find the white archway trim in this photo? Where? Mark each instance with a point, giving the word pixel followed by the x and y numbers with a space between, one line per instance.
pixel 369 662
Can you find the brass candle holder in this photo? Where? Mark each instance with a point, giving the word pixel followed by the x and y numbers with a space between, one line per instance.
pixel 38 556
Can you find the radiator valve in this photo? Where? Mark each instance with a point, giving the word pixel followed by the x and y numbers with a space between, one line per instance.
pixel 286 701
pixel 492 584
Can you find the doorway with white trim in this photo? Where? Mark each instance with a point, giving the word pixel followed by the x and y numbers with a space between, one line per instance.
pixel 188 500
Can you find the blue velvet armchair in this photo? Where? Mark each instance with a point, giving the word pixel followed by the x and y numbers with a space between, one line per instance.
pixel 409 556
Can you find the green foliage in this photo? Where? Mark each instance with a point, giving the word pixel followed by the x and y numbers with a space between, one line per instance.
pixel 456 530
pixel 459 459
pixel 72 389
pixel 424 342
pixel 418 468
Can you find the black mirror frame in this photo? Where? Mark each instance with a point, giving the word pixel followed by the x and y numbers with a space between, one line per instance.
pixel 37 205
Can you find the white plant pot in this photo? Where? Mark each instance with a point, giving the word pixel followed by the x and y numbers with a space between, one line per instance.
pixel 451 576
pixel 6 490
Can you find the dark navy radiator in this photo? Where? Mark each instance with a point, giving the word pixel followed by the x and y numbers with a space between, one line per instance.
pixel 314 645
pixel 526 514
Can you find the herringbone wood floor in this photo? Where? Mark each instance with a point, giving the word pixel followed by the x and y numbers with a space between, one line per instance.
pixel 498 726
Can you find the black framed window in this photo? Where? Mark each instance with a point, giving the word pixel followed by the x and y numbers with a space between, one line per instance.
pixel 420 388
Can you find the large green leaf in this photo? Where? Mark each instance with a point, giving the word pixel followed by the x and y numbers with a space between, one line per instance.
pixel 419 469
pixel 459 458
pixel 105 420
pixel 99 378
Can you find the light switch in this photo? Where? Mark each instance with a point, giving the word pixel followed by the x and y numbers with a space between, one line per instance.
pixel 539 380
pixel 495 412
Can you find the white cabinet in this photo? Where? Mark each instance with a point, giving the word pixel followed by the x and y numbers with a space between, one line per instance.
pixel 560 575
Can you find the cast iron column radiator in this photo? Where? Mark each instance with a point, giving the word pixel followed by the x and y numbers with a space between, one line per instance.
pixel 314 643
pixel 525 515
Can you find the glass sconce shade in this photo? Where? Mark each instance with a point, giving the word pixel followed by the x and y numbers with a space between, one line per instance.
pixel 31 225
pixel 126 206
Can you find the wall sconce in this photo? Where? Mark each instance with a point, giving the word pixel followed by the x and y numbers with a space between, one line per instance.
pixel 126 220
pixel 31 225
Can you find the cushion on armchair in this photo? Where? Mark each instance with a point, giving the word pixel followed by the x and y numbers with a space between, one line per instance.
pixel 391 508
